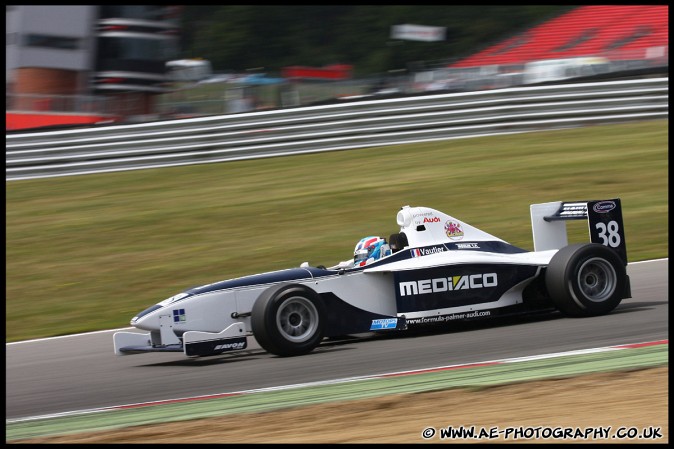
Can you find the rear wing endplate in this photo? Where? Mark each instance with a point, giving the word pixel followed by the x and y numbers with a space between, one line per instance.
pixel 604 219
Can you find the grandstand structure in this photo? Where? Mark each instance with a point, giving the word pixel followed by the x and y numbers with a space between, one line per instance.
pixel 586 44
pixel 637 32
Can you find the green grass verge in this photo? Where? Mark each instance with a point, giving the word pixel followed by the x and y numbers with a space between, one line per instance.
pixel 474 378
pixel 87 252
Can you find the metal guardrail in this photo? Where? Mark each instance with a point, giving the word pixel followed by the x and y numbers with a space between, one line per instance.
pixel 332 127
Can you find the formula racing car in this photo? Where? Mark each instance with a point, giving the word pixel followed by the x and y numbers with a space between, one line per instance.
pixel 435 269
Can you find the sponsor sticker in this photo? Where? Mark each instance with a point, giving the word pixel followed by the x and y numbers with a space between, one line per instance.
pixel 179 316
pixel 603 207
pixel 384 323
pixel 211 347
pixel 453 230
pixel 448 284
pixel 451 317
pixel 418 252
pixel 422 214
pixel 467 246
pixel 232 346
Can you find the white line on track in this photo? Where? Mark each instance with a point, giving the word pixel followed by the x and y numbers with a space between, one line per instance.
pixel 343 380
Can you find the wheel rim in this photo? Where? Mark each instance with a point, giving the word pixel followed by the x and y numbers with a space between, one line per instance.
pixel 597 279
pixel 297 319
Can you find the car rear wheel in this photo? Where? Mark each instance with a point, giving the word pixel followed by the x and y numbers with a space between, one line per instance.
pixel 586 279
pixel 288 320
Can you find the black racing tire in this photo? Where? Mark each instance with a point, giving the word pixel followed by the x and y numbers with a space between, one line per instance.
pixel 288 320
pixel 586 279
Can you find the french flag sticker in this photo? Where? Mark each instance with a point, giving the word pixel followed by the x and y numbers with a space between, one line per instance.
pixel 415 253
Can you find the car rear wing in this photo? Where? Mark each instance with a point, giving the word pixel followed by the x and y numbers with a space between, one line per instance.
pixel 604 219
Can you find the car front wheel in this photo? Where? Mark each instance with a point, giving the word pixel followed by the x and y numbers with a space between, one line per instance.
pixel 288 320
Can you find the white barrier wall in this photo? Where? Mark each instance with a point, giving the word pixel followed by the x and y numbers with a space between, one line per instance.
pixel 333 127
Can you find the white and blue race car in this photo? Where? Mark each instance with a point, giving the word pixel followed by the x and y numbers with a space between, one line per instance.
pixel 435 269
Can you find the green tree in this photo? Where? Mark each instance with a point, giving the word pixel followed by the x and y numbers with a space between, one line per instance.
pixel 240 37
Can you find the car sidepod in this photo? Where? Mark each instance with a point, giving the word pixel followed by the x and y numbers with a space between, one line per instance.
pixel 457 288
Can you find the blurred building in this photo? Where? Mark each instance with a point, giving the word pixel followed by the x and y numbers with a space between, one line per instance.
pixel 109 57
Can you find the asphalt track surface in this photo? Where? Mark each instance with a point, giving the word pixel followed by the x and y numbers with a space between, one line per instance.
pixel 81 372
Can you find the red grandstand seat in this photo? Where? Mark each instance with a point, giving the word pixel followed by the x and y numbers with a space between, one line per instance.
pixel 594 30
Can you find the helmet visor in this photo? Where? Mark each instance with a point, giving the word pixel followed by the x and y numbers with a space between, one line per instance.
pixel 361 255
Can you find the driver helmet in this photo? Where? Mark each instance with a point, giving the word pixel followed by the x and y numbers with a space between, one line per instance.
pixel 370 249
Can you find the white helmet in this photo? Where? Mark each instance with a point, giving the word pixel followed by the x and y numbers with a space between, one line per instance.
pixel 370 249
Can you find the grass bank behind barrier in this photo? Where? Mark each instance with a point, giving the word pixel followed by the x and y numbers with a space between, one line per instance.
pixel 88 252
